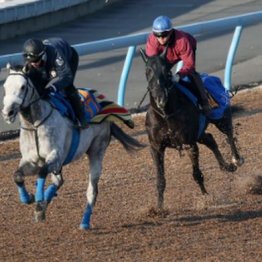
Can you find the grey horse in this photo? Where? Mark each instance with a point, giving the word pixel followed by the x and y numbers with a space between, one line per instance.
pixel 46 140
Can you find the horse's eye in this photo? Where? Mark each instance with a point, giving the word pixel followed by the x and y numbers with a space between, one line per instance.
pixel 22 87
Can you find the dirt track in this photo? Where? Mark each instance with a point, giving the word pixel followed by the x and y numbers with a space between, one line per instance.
pixel 225 226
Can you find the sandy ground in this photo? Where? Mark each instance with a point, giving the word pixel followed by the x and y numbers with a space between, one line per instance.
pixel 226 225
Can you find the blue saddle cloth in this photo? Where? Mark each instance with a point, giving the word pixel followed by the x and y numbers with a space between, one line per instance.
pixel 61 103
pixel 216 89
pixel 218 92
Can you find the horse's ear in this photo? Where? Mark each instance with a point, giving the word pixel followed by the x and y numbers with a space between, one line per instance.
pixel 24 69
pixel 163 54
pixel 8 65
pixel 144 55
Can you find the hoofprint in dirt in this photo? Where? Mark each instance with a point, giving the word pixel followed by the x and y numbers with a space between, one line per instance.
pixel 224 226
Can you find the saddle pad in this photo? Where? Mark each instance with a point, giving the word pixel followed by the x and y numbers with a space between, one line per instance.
pixel 218 92
pixel 110 111
pixel 92 107
pixel 215 88
pixel 97 107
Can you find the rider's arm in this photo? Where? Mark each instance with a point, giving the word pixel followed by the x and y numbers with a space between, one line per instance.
pixel 64 73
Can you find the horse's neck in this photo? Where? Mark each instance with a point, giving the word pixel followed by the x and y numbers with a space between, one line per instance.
pixel 35 113
pixel 177 105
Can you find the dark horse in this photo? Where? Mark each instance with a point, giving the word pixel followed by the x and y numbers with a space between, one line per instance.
pixel 172 120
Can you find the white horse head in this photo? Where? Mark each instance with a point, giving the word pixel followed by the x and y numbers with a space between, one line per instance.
pixel 19 92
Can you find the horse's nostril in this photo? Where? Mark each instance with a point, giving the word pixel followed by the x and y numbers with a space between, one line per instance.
pixel 11 113
pixel 161 103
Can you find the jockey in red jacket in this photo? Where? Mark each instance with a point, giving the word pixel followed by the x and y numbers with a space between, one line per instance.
pixel 181 46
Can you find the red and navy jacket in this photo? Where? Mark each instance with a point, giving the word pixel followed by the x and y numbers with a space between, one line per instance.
pixel 181 46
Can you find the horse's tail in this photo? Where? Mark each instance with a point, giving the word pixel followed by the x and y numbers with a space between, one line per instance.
pixel 128 142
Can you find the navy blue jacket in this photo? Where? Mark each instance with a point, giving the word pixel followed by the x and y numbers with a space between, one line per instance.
pixel 59 63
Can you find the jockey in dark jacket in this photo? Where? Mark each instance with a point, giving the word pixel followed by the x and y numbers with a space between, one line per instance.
pixel 58 62
pixel 181 46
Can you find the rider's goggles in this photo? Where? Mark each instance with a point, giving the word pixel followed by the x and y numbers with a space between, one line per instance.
pixel 33 57
pixel 161 34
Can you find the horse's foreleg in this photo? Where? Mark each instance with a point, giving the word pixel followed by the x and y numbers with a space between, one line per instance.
pixel 208 140
pixel 52 164
pixel 25 168
pixel 51 191
pixel 158 158
pixel 193 153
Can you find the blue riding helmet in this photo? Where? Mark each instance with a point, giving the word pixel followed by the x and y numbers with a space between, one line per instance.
pixel 162 24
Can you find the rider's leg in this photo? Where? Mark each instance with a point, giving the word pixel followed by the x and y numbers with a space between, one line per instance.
pixel 72 94
pixel 77 105
pixel 201 91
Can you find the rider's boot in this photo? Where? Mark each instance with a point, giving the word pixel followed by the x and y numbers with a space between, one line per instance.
pixel 202 93
pixel 78 107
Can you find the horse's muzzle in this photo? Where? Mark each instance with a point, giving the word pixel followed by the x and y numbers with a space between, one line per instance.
pixel 161 102
pixel 9 116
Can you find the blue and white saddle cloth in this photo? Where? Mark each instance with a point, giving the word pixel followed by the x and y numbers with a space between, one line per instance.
pixel 216 89
pixel 218 92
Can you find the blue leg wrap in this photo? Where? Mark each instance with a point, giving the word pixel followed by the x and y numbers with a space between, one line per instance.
pixel 50 192
pixel 25 198
pixel 85 224
pixel 40 189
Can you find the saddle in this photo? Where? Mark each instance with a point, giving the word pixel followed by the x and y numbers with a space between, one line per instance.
pixel 97 108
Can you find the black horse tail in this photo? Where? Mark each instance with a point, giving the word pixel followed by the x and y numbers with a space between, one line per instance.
pixel 129 143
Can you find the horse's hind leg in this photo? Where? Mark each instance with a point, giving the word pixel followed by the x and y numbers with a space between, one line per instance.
pixel 193 153
pixel 95 155
pixel 158 158
pixel 225 126
pixel 208 140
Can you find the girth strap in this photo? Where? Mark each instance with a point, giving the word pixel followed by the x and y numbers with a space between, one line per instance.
pixel 74 145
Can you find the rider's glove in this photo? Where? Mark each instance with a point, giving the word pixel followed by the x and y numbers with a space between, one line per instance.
pixel 51 89
pixel 176 78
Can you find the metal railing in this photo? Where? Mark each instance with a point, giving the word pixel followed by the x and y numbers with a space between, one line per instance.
pixel 132 41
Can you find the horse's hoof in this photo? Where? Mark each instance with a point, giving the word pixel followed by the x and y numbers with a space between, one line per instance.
pixel 203 190
pixel 40 212
pixel 39 216
pixel 229 168
pixel 84 226
pixel 239 162
pixel 31 199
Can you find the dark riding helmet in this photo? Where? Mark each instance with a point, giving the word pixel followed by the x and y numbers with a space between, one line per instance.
pixel 33 50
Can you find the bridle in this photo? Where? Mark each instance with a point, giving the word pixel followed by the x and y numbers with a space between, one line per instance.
pixel 23 108
pixel 166 88
pixel 34 128
pixel 28 85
